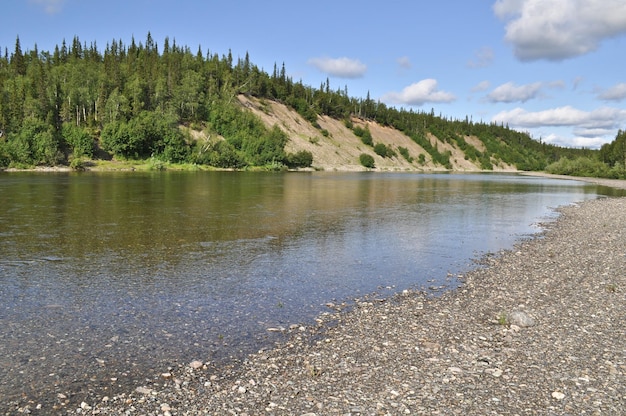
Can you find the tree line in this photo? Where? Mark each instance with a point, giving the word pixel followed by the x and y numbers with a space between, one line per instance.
pixel 129 101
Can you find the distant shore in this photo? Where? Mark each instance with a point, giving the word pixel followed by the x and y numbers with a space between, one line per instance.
pixel 539 329
pixel 611 183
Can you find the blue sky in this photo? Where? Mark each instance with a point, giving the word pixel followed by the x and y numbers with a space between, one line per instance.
pixel 553 68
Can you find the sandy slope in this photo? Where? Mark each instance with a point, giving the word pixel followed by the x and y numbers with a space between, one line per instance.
pixel 339 150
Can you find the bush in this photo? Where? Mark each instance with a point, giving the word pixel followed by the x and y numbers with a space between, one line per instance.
pixel 301 159
pixel 581 166
pixel 220 154
pixel 78 139
pixel 380 149
pixel 150 134
pixel 405 154
pixel 367 160
pixel 365 135
pixel 35 144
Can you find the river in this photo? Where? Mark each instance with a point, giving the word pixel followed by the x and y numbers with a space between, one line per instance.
pixel 108 278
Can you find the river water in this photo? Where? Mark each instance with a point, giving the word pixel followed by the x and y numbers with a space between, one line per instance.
pixel 108 278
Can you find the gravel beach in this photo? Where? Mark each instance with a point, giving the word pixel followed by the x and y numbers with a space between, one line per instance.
pixel 537 330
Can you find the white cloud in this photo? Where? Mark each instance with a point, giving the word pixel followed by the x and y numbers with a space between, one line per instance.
pixel 509 92
pixel 420 93
pixel 482 58
pixel 481 86
pixel 560 29
pixel 599 124
pixel 615 93
pixel 50 6
pixel 587 142
pixel 404 62
pixel 591 132
pixel 340 67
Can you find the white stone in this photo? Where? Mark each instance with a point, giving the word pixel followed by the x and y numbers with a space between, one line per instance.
pixel 520 318
pixel 558 395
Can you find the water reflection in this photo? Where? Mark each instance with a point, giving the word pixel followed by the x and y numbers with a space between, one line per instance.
pixel 142 270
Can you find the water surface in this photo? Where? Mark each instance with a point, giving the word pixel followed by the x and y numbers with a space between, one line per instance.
pixel 106 278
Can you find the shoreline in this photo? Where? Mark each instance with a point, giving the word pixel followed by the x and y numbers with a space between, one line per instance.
pixel 538 329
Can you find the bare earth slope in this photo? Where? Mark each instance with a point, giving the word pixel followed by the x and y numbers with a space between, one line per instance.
pixel 339 149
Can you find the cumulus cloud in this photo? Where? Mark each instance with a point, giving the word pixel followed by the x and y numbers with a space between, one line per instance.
pixel 340 67
pixel 577 141
pixel 509 92
pixel 614 93
pixel 49 6
pixel 419 93
pixel 601 118
pixel 559 29
pixel 482 58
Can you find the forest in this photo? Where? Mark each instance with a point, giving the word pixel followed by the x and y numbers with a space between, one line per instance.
pixel 129 102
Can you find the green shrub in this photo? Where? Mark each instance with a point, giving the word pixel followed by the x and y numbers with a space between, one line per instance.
pixel 367 160
pixel 405 154
pixel 581 166
pixel 78 139
pixel 365 135
pixel 301 159
pixel 380 149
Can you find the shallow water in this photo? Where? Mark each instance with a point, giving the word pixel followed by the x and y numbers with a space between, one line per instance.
pixel 106 278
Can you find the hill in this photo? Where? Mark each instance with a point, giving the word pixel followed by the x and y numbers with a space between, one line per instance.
pixel 336 147
pixel 137 102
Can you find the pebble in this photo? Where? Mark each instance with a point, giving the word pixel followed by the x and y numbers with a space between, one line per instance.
pixel 558 395
pixel 520 319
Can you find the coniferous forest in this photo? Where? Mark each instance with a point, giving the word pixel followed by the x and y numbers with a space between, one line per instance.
pixel 129 101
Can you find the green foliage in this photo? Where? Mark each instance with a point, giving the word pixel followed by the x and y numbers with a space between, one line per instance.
pixel 52 105
pixel 301 159
pixel 365 135
pixel 78 164
pixel 384 151
pixel 35 144
pixel 614 153
pixel 437 157
pixel 266 149
pixel 149 134
pixel 485 163
pixel 220 154
pixel 582 166
pixel 367 160
pixel 79 140
pixel 405 154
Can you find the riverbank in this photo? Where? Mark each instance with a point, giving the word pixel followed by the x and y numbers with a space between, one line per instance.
pixel 611 183
pixel 539 330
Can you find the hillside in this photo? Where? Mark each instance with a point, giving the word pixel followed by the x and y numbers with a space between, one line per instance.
pixel 339 150
pixel 167 106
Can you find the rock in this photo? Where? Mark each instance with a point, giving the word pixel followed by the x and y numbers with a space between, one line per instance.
pixel 520 319
pixel 558 395
pixel 195 364
pixel 143 390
